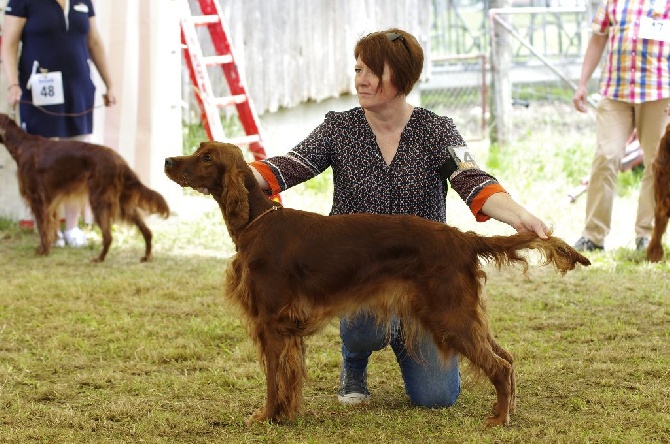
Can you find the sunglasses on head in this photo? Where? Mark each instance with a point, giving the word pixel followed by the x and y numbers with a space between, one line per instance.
pixel 393 36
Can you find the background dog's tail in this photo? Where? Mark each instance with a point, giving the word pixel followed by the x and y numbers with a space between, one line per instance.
pixel 138 194
pixel 152 201
pixel 504 250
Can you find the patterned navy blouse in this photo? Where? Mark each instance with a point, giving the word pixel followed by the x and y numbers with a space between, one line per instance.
pixel 364 183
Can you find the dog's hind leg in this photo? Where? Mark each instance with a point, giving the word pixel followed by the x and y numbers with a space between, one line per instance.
pixel 283 358
pixel 500 372
pixel 464 328
pixel 507 356
pixel 655 248
pixel 136 218
pixel 102 213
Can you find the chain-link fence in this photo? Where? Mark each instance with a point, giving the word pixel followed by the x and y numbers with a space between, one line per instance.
pixel 458 88
pixel 545 42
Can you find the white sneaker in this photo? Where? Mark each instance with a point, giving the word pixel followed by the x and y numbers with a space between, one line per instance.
pixel 76 238
pixel 60 242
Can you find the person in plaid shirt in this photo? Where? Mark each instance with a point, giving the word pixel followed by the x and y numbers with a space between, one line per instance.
pixel 635 90
pixel 389 157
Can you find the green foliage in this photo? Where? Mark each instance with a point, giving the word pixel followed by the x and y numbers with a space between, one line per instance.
pixel 538 90
pixel 493 161
pixel 194 132
pixel 573 159
pixel 532 163
pixel 628 182
pixel 7 225
pixel 560 160
pixel 321 184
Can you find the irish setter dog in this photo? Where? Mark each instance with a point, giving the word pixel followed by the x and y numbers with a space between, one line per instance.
pixel 661 168
pixel 296 270
pixel 53 171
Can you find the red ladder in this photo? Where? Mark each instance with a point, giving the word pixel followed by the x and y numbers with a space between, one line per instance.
pixel 197 63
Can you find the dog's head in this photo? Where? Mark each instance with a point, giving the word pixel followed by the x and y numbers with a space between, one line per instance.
pixel 5 122
pixel 210 168
pixel 218 169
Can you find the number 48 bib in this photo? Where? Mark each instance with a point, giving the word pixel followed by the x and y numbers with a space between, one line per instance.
pixel 47 87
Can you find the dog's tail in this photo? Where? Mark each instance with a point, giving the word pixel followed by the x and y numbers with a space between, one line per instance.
pixel 504 250
pixel 147 199
pixel 152 201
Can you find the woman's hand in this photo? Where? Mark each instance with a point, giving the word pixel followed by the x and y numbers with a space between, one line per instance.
pixel 529 222
pixel 109 98
pixel 14 94
pixel 502 207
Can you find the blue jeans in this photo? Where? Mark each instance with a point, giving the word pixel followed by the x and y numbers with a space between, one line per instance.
pixel 428 381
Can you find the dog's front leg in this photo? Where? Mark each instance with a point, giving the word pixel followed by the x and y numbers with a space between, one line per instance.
pixel 269 352
pixel 284 359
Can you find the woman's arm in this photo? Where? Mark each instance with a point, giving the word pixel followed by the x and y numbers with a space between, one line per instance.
pixel 97 51
pixel 12 28
pixel 306 160
pixel 265 186
pixel 502 207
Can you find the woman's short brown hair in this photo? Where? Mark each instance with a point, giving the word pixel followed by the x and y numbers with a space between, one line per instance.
pixel 399 49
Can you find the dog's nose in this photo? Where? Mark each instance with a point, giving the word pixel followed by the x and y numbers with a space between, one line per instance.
pixel 169 162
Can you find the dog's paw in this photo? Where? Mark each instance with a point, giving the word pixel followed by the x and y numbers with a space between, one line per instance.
pixel 494 421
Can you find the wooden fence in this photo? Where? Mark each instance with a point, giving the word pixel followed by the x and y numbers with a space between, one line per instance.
pixel 292 51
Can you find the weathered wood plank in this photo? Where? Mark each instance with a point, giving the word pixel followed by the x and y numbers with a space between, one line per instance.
pixel 292 51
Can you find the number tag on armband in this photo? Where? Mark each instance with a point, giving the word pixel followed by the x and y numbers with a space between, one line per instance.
pixel 47 88
pixel 461 159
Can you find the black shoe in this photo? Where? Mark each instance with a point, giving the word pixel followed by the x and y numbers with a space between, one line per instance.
pixel 641 244
pixel 584 244
pixel 353 387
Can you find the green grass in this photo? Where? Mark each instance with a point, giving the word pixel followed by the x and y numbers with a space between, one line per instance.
pixel 124 352
pixel 130 352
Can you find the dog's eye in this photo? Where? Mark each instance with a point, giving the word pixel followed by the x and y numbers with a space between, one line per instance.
pixel 207 158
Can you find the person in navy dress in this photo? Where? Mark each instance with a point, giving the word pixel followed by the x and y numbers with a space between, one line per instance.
pixel 46 49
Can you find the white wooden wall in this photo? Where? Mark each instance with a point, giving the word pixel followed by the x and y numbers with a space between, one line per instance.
pixel 292 51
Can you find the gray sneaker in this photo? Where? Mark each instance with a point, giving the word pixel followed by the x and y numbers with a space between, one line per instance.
pixel 584 244
pixel 353 387
pixel 641 244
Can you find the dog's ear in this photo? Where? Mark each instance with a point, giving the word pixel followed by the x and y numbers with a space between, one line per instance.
pixel 235 198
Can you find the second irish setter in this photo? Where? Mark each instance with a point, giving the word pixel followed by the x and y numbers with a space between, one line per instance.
pixel 53 171
pixel 296 270
pixel 661 168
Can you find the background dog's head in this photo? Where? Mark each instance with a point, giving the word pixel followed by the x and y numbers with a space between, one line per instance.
pixel 5 122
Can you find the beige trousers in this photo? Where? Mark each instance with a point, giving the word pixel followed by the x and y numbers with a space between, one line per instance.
pixel 615 122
